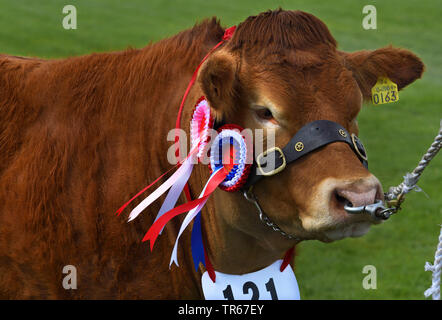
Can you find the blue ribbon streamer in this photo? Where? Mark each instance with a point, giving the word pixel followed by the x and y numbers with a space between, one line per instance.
pixel 197 242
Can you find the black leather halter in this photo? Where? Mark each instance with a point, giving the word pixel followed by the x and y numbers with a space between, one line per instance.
pixel 309 138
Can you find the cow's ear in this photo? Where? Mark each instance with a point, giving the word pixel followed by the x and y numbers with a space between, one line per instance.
pixel 218 81
pixel 399 65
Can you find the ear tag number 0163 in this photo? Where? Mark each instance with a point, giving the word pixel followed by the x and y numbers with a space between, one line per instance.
pixel 266 284
pixel 384 91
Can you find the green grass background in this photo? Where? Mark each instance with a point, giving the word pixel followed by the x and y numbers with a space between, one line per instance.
pixel 395 135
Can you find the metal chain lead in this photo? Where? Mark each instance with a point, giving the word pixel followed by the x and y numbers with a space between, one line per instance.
pixel 250 196
pixel 411 179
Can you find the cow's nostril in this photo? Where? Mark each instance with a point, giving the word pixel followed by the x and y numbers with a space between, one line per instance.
pixel 356 198
pixel 342 201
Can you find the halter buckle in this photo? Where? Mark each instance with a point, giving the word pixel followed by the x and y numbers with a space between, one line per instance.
pixel 263 155
pixel 359 147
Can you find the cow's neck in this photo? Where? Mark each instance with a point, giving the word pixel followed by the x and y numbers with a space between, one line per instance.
pixel 237 239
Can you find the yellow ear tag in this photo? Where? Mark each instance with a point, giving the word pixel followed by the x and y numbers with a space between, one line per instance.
pixel 384 91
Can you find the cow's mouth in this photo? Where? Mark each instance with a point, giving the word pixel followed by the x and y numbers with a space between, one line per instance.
pixel 353 230
pixel 351 225
pixel 326 218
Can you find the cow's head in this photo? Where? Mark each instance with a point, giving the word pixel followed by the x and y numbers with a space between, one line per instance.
pixel 282 70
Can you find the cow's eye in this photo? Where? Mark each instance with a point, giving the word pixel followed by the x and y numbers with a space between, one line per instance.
pixel 264 114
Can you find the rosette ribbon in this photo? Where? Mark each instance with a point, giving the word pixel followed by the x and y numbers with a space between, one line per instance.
pixel 227 158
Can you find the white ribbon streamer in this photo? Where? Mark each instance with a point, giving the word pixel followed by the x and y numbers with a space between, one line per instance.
pixel 189 217
pixel 183 169
pixel 175 192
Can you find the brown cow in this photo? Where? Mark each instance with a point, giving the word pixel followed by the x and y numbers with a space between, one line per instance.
pixel 79 136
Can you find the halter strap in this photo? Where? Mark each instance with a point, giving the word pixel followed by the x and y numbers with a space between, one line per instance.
pixel 309 138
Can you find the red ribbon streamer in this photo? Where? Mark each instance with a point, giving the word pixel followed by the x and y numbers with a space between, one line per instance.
pixel 287 258
pixel 228 33
pixel 209 267
pixel 158 225
pixel 150 185
pixel 143 190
